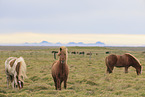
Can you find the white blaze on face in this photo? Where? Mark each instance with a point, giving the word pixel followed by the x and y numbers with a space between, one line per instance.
pixel 20 84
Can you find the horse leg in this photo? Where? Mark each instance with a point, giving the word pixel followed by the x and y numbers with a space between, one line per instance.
pixel 65 84
pixel 58 84
pixel 8 81
pixel 13 82
pixel 55 85
pixel 8 78
pixel 110 69
pixel 55 82
pixel 126 69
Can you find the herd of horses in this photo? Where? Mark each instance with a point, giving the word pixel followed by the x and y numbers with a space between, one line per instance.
pixel 15 68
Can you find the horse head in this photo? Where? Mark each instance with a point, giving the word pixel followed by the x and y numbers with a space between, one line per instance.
pixel 63 54
pixel 138 70
pixel 20 82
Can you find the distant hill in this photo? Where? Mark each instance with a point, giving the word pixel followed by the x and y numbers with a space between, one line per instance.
pixel 46 43
pixel 100 43
pixel 85 44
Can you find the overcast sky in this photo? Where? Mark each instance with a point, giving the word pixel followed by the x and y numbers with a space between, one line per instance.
pixel 62 17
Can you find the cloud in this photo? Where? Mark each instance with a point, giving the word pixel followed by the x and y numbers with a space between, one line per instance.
pixel 109 39
pixel 76 16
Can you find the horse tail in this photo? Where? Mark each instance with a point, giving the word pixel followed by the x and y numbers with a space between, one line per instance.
pixel 108 65
pixel 22 71
pixel 66 55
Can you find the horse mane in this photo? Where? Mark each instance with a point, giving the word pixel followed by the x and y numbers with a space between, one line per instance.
pixel 63 49
pixel 135 59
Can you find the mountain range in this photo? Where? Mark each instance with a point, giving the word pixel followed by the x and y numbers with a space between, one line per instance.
pixel 46 43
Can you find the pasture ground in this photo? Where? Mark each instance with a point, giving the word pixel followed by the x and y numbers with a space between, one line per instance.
pixel 87 76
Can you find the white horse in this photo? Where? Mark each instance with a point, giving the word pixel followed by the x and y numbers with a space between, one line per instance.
pixel 15 69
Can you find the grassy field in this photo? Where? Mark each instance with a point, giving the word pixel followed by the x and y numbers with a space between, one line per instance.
pixel 87 76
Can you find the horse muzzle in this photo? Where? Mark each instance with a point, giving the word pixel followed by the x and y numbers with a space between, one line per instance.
pixel 20 84
pixel 62 61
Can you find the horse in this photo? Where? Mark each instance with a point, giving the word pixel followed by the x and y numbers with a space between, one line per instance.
pixel 15 69
pixel 107 52
pixel 73 52
pixel 125 60
pixel 89 53
pixel 60 69
pixel 54 53
pixel 81 53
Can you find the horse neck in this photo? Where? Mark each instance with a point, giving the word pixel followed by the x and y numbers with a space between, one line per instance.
pixel 136 65
pixel 62 66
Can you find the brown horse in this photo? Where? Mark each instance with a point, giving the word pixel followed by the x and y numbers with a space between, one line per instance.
pixel 125 60
pixel 60 69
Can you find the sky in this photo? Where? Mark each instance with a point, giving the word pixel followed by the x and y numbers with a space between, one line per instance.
pixel 116 22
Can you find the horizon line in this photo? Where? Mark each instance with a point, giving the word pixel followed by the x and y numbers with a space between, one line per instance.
pixel 110 39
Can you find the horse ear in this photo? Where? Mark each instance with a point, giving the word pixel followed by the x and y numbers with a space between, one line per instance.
pixel 60 49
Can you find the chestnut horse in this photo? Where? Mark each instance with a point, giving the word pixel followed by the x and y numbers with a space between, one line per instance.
pixel 60 69
pixel 15 69
pixel 125 60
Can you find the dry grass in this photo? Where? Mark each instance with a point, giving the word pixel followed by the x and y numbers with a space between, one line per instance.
pixel 87 76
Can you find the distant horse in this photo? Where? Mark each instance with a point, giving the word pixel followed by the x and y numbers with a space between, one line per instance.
pixel 73 52
pixel 54 53
pixel 89 53
pixel 125 60
pixel 81 53
pixel 15 69
pixel 107 52
pixel 60 69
